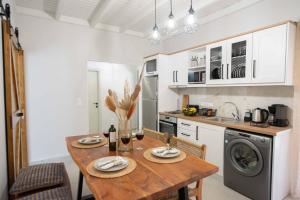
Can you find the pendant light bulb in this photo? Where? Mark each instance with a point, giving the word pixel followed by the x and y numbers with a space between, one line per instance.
pixel 190 20
pixel 171 22
pixel 155 33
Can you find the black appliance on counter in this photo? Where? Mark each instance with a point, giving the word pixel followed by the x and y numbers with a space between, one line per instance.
pixel 278 115
pixel 168 124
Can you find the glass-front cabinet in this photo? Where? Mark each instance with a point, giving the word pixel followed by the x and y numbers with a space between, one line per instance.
pixel 230 61
pixel 239 59
pixel 216 54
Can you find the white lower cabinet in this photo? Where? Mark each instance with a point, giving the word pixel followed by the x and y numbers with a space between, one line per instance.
pixel 201 133
pixel 213 137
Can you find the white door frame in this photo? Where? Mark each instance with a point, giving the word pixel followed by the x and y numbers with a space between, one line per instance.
pixel 99 97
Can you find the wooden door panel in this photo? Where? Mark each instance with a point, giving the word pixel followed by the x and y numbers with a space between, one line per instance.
pixel 15 110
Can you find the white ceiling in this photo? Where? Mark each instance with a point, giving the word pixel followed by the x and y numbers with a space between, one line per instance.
pixel 134 17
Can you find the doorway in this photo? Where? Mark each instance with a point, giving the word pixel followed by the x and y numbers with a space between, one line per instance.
pixel 93 101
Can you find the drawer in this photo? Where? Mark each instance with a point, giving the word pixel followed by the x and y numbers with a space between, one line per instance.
pixel 186 135
pixel 186 124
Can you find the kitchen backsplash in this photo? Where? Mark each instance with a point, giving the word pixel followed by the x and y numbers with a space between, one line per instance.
pixel 244 97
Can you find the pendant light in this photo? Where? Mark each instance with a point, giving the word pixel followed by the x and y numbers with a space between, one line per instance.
pixel 155 32
pixel 171 22
pixel 190 22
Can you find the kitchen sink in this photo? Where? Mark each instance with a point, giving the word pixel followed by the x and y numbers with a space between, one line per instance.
pixel 223 119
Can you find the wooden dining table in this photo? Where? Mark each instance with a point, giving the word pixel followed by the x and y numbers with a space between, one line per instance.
pixel 149 180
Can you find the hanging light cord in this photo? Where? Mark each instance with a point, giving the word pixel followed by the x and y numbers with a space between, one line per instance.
pixel 171 3
pixel 191 11
pixel 155 13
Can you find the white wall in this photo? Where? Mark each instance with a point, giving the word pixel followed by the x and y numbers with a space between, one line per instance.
pixel 265 12
pixel 244 97
pixel 56 56
pixel 113 76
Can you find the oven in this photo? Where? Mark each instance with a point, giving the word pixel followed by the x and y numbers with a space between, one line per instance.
pixel 168 124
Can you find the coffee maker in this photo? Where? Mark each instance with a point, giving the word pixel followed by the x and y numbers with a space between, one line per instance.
pixel 278 115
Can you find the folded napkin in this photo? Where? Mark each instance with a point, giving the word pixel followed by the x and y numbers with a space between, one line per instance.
pixel 89 140
pixel 163 151
pixel 111 163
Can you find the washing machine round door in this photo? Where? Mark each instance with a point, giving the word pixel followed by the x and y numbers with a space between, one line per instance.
pixel 244 157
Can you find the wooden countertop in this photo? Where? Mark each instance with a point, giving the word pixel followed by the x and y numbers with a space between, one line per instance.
pixel 245 126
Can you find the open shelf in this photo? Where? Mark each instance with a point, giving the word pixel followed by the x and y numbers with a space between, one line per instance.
pixel 197 67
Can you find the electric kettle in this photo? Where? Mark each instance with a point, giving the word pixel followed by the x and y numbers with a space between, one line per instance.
pixel 260 115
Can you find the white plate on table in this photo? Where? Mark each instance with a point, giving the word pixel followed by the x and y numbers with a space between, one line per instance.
pixel 102 163
pixel 163 152
pixel 90 140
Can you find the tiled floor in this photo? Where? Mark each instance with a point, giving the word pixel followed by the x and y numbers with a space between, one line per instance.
pixel 213 186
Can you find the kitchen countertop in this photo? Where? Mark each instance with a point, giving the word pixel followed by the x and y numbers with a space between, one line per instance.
pixel 271 130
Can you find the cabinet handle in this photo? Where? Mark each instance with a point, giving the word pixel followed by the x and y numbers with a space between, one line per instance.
pixel 197 134
pixel 254 68
pixel 185 134
pixel 177 76
pixel 222 71
pixel 184 124
pixel 227 70
pixel 173 76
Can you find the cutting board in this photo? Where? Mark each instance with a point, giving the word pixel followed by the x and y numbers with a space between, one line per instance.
pixel 185 100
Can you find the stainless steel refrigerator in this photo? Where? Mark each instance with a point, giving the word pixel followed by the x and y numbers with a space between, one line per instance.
pixel 149 95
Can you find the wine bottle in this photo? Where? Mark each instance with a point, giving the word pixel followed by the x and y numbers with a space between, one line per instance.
pixel 112 138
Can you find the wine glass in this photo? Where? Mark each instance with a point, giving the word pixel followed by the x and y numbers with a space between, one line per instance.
pixel 139 136
pixel 125 138
pixel 169 137
pixel 106 134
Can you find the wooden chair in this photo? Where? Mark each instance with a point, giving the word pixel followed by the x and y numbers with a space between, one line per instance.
pixel 157 135
pixel 196 150
pixel 188 147
pixel 154 134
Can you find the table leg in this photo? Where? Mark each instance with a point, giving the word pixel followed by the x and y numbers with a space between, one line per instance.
pixel 183 193
pixel 79 189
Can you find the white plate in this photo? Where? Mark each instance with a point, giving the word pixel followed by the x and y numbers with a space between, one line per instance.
pixel 86 140
pixel 114 168
pixel 169 155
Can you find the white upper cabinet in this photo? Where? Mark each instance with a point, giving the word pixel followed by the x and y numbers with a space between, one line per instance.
pixel 264 57
pixel 178 73
pixel 239 59
pixel 229 61
pixel 215 62
pixel 270 48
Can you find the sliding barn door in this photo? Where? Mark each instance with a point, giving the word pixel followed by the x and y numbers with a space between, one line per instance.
pixel 14 103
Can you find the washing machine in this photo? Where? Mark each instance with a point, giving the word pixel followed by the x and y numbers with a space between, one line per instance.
pixel 248 163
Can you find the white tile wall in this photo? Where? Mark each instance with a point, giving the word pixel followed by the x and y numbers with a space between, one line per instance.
pixel 244 97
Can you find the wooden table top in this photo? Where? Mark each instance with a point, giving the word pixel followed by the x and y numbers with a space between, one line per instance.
pixel 148 181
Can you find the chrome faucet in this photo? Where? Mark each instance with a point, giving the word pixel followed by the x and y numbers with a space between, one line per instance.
pixel 236 116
